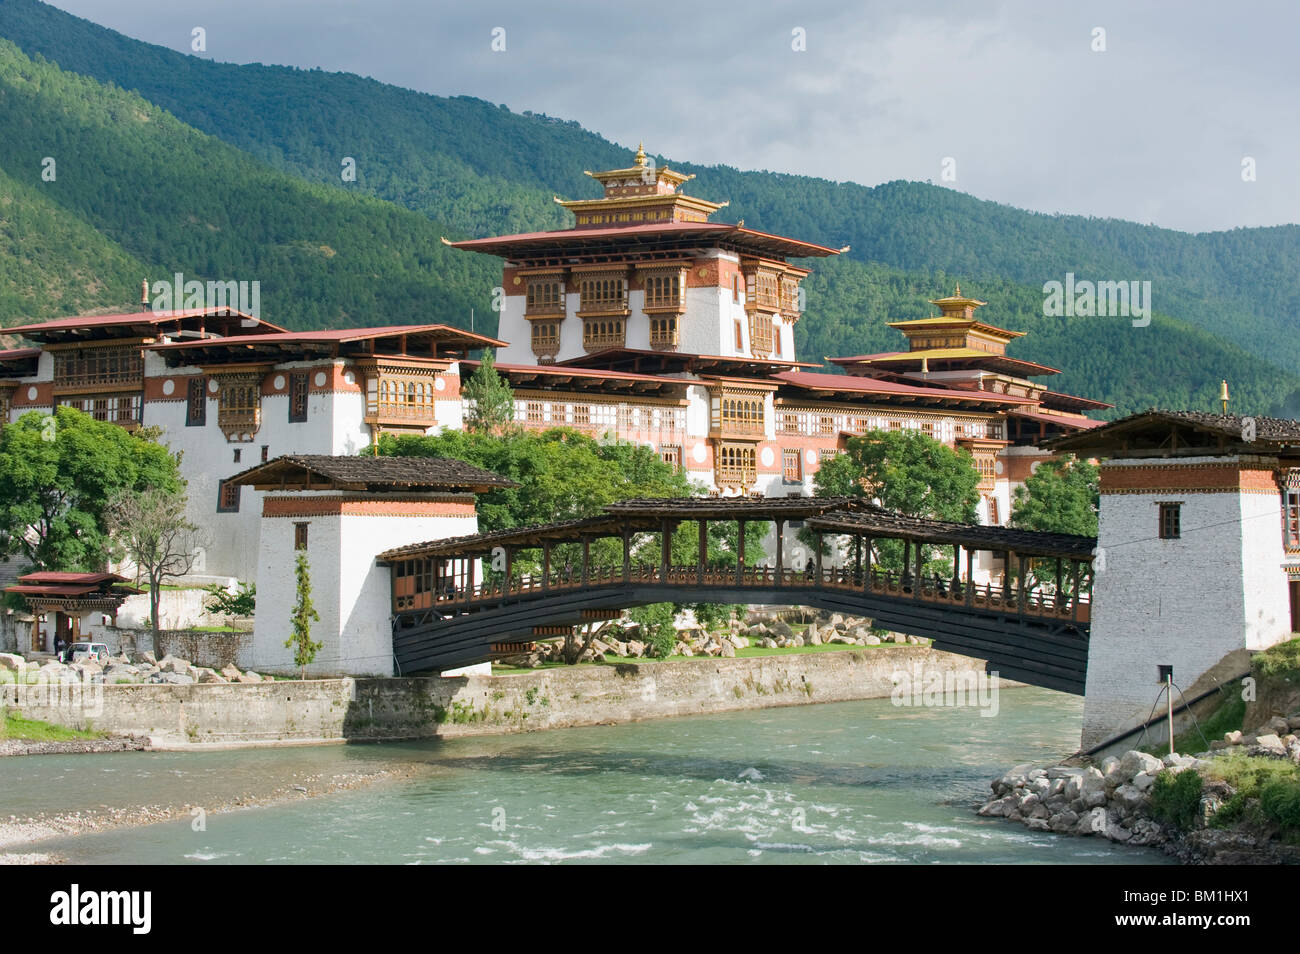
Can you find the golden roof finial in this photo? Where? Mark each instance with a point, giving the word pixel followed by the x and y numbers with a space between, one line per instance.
pixel 959 289
pixel 640 154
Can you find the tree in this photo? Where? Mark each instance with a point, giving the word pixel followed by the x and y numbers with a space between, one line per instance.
pixel 490 399
pixel 243 602
pixel 59 473
pixel 304 614
pixel 657 630
pixel 149 528
pixel 907 472
pixel 1060 496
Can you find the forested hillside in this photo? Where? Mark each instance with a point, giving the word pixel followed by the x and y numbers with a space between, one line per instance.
pixel 160 194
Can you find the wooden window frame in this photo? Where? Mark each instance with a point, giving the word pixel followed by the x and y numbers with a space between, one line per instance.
pixel 225 490
pixel 1170 520
pixel 300 536
pixel 298 392
pixel 196 402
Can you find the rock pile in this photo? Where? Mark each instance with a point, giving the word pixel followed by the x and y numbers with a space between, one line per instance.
pixel 121 670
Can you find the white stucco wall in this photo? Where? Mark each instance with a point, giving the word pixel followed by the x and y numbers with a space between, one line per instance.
pixel 1186 602
pixel 350 591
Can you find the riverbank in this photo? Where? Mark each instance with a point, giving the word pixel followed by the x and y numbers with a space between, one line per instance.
pixel 27 831
pixel 375 709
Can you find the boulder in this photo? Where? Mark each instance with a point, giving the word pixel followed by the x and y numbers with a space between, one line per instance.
pixel 1064 822
pixel 250 676
pixel 1094 822
pixel 1277 725
pixel 230 673
pixel 12 662
pixel 207 676
pixel 149 657
pixel 1134 762
pixel 1270 744
pixel 172 678
pixel 635 648
pixel 870 640
pixel 812 635
pixel 681 649
pixel 779 628
pixel 727 649
pixel 1144 780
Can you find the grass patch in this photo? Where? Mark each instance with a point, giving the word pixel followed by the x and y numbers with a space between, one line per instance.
pixel 1227 717
pixel 1280 660
pixel 746 653
pixel 14 726
pixel 1267 792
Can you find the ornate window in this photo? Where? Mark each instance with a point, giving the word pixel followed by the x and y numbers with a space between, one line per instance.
pixel 790 297
pixel 239 405
pixel 602 293
pixel 994 518
pixel 196 402
pixel 599 333
pixel 297 397
pixel 663 331
pixel 534 413
pixel 546 338
pixel 739 413
pixel 227 497
pixel 300 536
pixel 1291 512
pixel 114 408
pixel 792 465
pixel 545 296
pixel 1171 521
pixel 761 290
pixel 760 335
pixel 665 289
pixel 98 367
pixel 737 465
pixel 671 454
pixel 581 415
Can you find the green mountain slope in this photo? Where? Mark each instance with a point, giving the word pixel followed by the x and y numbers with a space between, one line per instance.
pixel 177 200
pixel 482 169
pixel 173 199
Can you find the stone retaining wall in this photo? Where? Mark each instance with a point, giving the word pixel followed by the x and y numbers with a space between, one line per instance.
pixel 374 708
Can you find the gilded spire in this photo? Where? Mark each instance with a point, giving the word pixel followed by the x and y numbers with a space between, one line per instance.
pixel 640 154
pixel 959 289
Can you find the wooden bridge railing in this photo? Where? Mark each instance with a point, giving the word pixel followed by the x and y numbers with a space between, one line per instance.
pixel 931 590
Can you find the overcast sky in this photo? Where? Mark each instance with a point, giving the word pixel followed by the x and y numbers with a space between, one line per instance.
pixel 1155 128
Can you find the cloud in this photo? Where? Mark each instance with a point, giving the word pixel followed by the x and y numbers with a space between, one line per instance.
pixel 1152 129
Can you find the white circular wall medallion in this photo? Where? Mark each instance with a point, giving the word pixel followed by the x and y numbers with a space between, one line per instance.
pixel 168 386
pixel 768 458
pixel 278 383
pixel 31 393
pixel 997 467
pixel 350 378
pixel 700 453
pixel 1033 468
pixel 320 379
pixel 811 456
pixel 213 386
pixel 439 384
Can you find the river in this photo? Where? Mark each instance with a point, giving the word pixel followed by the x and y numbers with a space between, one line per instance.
pixel 836 783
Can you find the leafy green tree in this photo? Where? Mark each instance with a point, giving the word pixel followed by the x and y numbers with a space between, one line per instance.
pixel 1060 496
pixel 907 472
pixel 57 476
pixel 149 527
pixel 243 602
pixel 304 614
pixel 493 400
pixel 657 632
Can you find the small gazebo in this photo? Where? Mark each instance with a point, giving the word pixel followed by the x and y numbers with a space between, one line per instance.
pixel 70 596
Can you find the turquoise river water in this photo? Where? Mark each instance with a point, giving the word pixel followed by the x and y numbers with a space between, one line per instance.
pixel 837 783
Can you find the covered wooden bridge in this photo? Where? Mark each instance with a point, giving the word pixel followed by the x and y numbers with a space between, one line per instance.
pixel 448 609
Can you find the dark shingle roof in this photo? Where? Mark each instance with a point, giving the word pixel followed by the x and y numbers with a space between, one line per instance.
pixel 360 473
pixel 1147 430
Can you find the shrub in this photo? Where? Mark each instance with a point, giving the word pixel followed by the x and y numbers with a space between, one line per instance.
pixel 1176 799
pixel 1280 800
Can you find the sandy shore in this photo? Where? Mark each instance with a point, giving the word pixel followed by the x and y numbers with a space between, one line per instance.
pixel 26 832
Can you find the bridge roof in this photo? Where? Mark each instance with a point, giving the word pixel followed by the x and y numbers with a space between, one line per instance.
pixel 828 514
pixel 325 472
pixel 876 522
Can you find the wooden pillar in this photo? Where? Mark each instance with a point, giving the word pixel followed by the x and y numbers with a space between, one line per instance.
pixel 956 561
pixel 970 577
pixel 818 558
pixel 918 584
pixel 1006 576
pixel 1074 602
pixel 907 563
pixel 866 564
pixel 740 552
pixel 469 577
pixel 1059 594
pixel 665 551
pixel 546 564
pixel 1021 588
pixel 36 631
pixel 586 559
pixel 627 554
pixel 510 568
pixel 704 551
pixel 780 550
pixel 857 555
